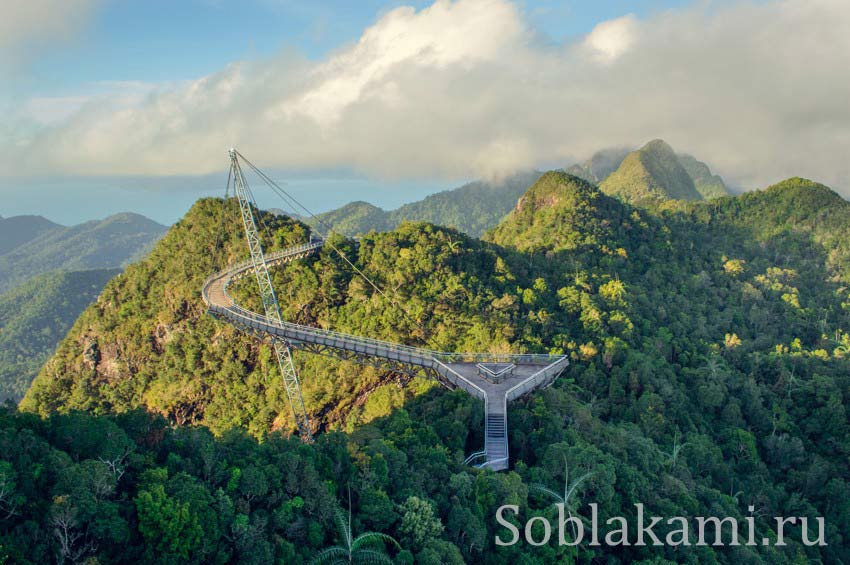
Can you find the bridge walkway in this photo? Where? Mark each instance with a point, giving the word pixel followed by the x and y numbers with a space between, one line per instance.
pixel 467 371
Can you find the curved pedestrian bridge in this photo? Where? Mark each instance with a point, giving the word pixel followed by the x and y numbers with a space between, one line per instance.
pixel 495 378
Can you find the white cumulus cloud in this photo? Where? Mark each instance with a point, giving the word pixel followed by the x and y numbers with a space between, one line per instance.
pixel 468 88
pixel 610 39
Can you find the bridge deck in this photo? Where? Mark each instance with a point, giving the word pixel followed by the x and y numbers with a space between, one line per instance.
pixel 459 370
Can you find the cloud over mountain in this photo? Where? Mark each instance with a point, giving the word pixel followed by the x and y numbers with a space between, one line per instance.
pixel 469 88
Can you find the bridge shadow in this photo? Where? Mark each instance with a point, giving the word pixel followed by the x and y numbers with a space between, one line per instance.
pixel 438 418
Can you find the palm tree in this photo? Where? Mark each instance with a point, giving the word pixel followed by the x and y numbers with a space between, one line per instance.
pixel 842 344
pixel 567 499
pixel 673 456
pixel 713 365
pixel 454 246
pixel 369 547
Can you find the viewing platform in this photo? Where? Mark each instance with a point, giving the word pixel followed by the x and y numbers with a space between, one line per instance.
pixel 494 378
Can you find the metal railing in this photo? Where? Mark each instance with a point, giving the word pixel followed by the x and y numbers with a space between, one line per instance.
pixel 537 379
pixel 309 334
pixel 395 351
pixel 459 380
pixel 551 365
pixel 493 463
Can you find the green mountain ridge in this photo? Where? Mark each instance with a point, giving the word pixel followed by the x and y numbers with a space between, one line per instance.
pixel 710 347
pixel 707 184
pixel 472 208
pixel 97 244
pixel 652 172
pixel 355 218
pixel 17 230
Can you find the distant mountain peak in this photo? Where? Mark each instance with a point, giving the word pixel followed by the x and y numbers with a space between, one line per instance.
pixel 800 196
pixel 650 173
pixel 657 144
pixel 803 184
pixel 653 172
pixel 96 244
pixel 362 204
pixel 18 230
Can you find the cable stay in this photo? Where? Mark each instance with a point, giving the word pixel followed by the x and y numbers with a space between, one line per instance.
pixel 325 235
pixel 495 378
pixel 267 294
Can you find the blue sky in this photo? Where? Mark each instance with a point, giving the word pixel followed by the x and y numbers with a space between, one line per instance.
pixel 116 104
pixel 168 40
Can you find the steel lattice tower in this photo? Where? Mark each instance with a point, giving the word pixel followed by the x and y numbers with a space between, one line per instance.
pixel 270 304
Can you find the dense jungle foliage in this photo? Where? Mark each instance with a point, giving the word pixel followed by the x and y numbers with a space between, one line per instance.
pixel 710 374
pixel 35 316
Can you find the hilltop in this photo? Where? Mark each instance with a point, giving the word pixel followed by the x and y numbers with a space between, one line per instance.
pixel 17 230
pixel 651 172
pixel 560 211
pixel 98 244
pixel 355 218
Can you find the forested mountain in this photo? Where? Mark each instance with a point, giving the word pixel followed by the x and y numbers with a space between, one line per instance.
pixel 707 184
pixel 35 316
pixel 147 341
pixel 48 275
pixel 651 172
pixel 710 374
pixel 355 218
pixel 472 208
pixel 97 244
pixel 18 230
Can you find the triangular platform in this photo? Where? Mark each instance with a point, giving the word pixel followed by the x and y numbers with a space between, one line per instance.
pixel 498 382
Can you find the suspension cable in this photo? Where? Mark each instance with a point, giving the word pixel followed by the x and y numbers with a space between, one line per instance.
pixel 292 200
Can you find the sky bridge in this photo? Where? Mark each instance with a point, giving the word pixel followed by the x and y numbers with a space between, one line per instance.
pixel 472 372
pixel 494 378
